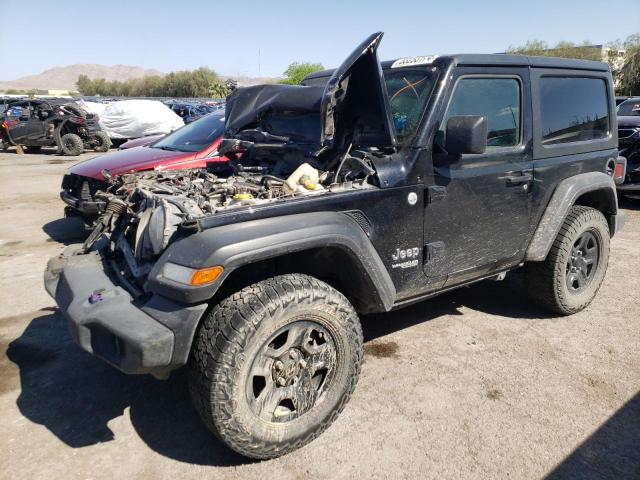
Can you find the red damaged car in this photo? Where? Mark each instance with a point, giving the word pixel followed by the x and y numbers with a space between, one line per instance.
pixel 193 146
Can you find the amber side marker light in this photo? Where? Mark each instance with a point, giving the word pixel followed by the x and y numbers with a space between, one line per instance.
pixel 190 276
pixel 205 275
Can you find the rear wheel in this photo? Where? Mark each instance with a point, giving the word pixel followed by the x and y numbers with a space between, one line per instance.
pixel 71 144
pixel 275 363
pixel 568 280
pixel 103 142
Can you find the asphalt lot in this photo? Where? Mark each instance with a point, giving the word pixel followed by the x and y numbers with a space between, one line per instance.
pixel 473 384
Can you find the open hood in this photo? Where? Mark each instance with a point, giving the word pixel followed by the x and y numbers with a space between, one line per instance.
pixel 352 108
pixel 355 106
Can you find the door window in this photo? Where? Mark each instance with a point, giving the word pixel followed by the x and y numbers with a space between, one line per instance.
pixel 498 99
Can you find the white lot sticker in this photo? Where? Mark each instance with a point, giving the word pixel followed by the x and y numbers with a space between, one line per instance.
pixel 413 61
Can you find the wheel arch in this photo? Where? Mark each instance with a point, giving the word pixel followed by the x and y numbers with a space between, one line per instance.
pixel 327 245
pixel 593 189
pixel 318 262
pixel 603 199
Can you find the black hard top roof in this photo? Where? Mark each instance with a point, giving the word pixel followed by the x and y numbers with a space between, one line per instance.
pixel 497 60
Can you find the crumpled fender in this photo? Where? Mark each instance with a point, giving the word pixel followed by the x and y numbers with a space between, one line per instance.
pixel 235 245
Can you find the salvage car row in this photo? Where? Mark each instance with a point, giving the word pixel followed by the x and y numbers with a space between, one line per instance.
pixel 72 127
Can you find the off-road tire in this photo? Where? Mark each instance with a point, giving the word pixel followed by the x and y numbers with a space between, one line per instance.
pixel 104 142
pixel 71 144
pixel 231 337
pixel 546 281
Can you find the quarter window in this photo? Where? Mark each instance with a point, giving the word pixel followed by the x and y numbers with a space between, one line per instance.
pixel 498 99
pixel 573 109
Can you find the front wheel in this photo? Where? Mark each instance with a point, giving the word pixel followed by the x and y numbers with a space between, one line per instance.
pixel 71 144
pixel 274 364
pixel 568 280
pixel 103 142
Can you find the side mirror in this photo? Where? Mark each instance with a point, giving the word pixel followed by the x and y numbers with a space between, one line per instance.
pixel 466 134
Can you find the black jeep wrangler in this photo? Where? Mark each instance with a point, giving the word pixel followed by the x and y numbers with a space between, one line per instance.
pixel 51 123
pixel 369 188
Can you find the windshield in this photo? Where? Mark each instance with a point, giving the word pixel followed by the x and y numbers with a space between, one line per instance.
pixel 408 90
pixel 629 108
pixel 195 136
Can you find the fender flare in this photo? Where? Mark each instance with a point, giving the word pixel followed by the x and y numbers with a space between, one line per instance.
pixel 563 198
pixel 236 245
pixel 57 133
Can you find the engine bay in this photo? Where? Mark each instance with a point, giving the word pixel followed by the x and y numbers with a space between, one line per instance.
pixel 146 211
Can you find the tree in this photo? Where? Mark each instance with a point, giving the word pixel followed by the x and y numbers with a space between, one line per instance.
pixel 296 71
pixel 625 68
pixel 629 77
pixel 218 90
pixel 585 50
pixel 85 85
pixel 195 83
pixel 531 47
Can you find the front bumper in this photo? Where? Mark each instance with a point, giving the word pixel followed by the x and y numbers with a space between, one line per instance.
pixel 88 208
pixel 152 336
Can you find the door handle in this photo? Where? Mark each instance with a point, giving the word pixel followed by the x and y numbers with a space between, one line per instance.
pixel 518 179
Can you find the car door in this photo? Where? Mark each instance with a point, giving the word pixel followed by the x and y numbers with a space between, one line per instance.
pixel 477 212
pixel 35 126
pixel 18 122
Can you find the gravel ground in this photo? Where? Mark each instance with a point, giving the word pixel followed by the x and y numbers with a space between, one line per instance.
pixel 476 383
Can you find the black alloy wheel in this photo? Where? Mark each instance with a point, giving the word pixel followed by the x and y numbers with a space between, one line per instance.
pixel 583 262
pixel 291 372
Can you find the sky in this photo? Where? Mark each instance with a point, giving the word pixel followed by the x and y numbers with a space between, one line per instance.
pixel 255 38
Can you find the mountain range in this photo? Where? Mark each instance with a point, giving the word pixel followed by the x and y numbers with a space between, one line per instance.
pixel 64 78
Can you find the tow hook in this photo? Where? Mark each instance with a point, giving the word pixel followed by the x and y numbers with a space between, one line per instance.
pixel 96 296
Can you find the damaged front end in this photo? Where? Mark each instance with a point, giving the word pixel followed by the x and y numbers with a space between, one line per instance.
pixel 145 212
pixel 125 299
pixel 284 142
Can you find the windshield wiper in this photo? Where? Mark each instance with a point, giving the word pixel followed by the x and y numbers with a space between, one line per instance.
pixel 170 149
